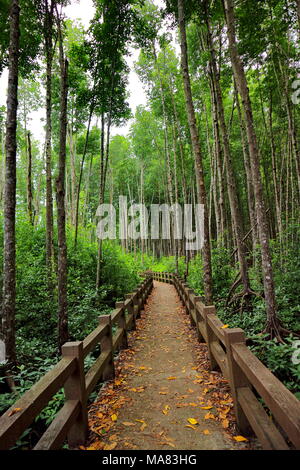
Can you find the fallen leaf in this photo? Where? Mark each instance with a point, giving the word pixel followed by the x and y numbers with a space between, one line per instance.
pixel 192 421
pixel 206 432
pixel 225 326
pixel 127 423
pixel 225 423
pixel 190 426
pixel 114 417
pixel 206 407
pixel 172 378
pixel 240 438
pixel 14 411
pixel 144 425
pixel 209 416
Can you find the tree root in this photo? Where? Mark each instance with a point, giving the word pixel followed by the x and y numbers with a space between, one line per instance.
pixel 243 299
pixel 275 330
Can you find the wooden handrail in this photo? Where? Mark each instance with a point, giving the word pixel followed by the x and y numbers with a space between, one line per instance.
pixel 228 351
pixel 71 421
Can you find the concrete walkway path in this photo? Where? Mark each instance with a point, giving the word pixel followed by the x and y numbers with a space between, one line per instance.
pixel 164 395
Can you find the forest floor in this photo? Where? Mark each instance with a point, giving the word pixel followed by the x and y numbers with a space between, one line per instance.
pixel 164 395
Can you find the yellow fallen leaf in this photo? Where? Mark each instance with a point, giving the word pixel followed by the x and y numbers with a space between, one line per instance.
pixel 206 432
pixel 140 421
pixel 144 425
pixel 209 416
pixel 114 417
pixel 14 411
pixel 193 404
pixel 225 326
pixel 240 438
pixel 206 407
pixel 163 393
pixel 172 378
pixel 170 444
pixel 225 423
pixel 190 426
pixel 142 368
pixel 166 410
pixel 192 421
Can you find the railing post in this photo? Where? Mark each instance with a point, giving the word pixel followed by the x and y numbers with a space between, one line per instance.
pixel 191 307
pixel 106 344
pixel 74 389
pixel 185 296
pixel 199 319
pixel 122 324
pixel 136 304
pixel 142 290
pixel 131 310
pixel 237 378
pixel 210 335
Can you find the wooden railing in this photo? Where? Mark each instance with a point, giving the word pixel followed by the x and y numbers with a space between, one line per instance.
pixel 71 422
pixel 249 379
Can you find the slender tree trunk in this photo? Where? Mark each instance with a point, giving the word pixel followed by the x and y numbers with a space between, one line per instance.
pixel 72 174
pixel 273 324
pixel 298 11
pixel 29 183
pixel 247 166
pixel 101 194
pixel 81 174
pixel 208 288
pixel 63 333
pixel 48 33
pixel 232 188
pixel 9 251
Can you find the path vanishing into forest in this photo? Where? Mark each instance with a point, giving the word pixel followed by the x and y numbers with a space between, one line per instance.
pixel 163 395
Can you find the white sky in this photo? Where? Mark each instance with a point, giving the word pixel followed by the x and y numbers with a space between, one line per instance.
pixel 83 10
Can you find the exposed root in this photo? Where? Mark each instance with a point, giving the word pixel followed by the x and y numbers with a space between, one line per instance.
pixel 235 284
pixel 243 299
pixel 274 329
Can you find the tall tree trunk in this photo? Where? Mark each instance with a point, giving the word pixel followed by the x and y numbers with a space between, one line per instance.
pixel 72 173
pixel 48 36
pixel 63 334
pixel 101 195
pixel 208 288
pixel 298 11
pixel 247 166
pixel 273 324
pixel 232 188
pixel 81 174
pixel 9 251
pixel 29 183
